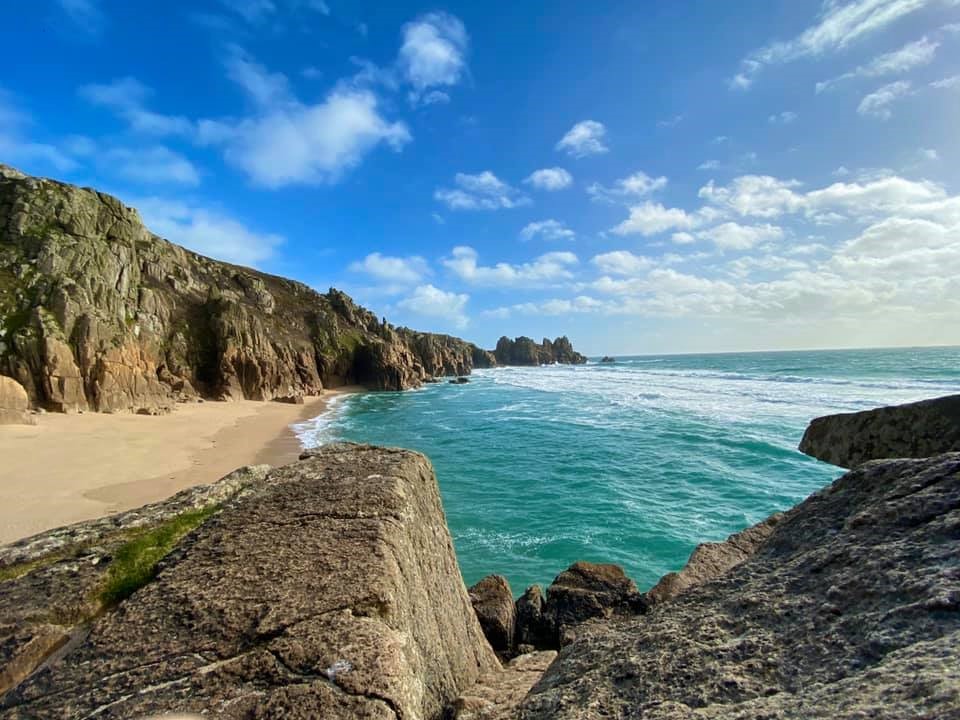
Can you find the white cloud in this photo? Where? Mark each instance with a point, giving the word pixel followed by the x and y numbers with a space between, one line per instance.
pixel 683 238
pixel 85 14
pixel 127 97
pixel 637 185
pixel 430 301
pixel 548 230
pixel 879 101
pixel 946 83
pixel 483 191
pixel 733 236
pixel 402 270
pixel 784 118
pixel 671 122
pixel 754 195
pixel 206 231
pixel 621 262
pixel 151 165
pixel 652 218
pixel 547 269
pixel 433 53
pixel 839 25
pixel 16 148
pixel 262 86
pixel 709 165
pixel 552 307
pixel 928 154
pixel 912 55
pixel 555 178
pixel 585 138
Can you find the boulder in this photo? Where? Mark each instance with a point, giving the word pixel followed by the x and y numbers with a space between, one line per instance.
pixel 608 359
pixel 914 430
pixel 14 403
pixel 849 609
pixel 460 381
pixel 590 590
pixel 533 626
pixel 493 603
pixel 329 590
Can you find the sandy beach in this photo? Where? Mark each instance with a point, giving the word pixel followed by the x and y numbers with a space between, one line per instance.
pixel 77 467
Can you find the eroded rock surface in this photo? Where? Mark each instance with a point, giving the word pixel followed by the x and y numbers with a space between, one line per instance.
pixel 331 590
pixel 589 590
pixel 497 694
pixel 914 430
pixel 524 351
pixel 493 603
pixel 14 403
pixel 98 313
pixel 849 609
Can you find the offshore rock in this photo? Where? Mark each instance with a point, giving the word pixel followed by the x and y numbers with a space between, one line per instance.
pixel 98 313
pixel 330 589
pixel 524 351
pixel 849 609
pixel 14 403
pixel 493 603
pixel 711 560
pixel 915 430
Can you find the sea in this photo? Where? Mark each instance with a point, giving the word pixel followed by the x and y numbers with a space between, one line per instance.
pixel 634 462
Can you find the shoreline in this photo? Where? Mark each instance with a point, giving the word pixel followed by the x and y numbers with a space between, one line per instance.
pixel 70 468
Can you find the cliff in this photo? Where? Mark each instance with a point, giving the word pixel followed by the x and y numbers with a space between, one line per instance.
pixel 325 589
pixel 98 313
pixel 524 351
pixel 913 430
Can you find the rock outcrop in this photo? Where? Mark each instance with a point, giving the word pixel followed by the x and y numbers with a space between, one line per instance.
pixel 493 603
pixel 524 351
pixel 327 589
pixel 850 608
pixel 914 430
pixel 14 403
pixel 98 313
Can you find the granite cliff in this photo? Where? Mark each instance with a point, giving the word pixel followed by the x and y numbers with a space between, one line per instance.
pixel 524 351
pixel 98 313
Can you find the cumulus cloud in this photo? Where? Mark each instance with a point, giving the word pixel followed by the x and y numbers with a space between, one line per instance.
pixel 587 137
pixel 912 55
pixel 877 103
pixel 400 270
pixel 547 269
pixel 621 262
pixel 483 191
pixel 946 83
pixel 734 236
pixel 430 301
pixel 555 178
pixel 784 118
pixel 207 231
pixel 754 195
pixel 637 185
pixel 433 53
pixel 839 25
pixel 548 230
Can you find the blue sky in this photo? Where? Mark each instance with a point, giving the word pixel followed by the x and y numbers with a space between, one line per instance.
pixel 644 177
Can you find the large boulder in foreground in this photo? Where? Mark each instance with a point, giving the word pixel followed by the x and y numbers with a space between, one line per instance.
pixel 914 430
pixel 588 590
pixel 849 609
pixel 329 591
pixel 493 602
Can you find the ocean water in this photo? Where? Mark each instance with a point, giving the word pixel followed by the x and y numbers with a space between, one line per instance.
pixel 632 463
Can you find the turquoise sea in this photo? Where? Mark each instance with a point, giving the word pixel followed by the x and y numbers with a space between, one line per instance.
pixel 632 463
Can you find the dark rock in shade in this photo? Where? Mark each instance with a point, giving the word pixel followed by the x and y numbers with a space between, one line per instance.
pixel 590 590
pixel 492 601
pixel 915 430
pixel 849 609
pixel 533 627
pixel 608 359
pixel 460 381
pixel 328 590
pixel 97 313
pixel 290 399
pixel 711 560
pixel 524 351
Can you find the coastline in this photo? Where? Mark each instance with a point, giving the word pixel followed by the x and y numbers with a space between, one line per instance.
pixel 70 468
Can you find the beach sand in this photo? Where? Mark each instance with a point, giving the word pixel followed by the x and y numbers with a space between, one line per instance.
pixel 70 468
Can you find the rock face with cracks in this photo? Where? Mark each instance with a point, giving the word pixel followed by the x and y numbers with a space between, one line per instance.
pixel 913 430
pixel 850 608
pixel 331 590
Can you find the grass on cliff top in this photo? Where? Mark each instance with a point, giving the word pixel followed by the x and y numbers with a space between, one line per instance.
pixel 135 562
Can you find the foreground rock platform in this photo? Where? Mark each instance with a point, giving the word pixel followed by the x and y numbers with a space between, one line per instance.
pixel 914 430
pixel 850 608
pixel 328 590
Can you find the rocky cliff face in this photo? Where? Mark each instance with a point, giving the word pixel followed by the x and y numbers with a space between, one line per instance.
pixel 98 313
pixel 325 589
pixel 848 608
pixel 913 430
pixel 524 351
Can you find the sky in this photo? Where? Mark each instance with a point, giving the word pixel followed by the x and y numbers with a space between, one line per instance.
pixel 644 177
